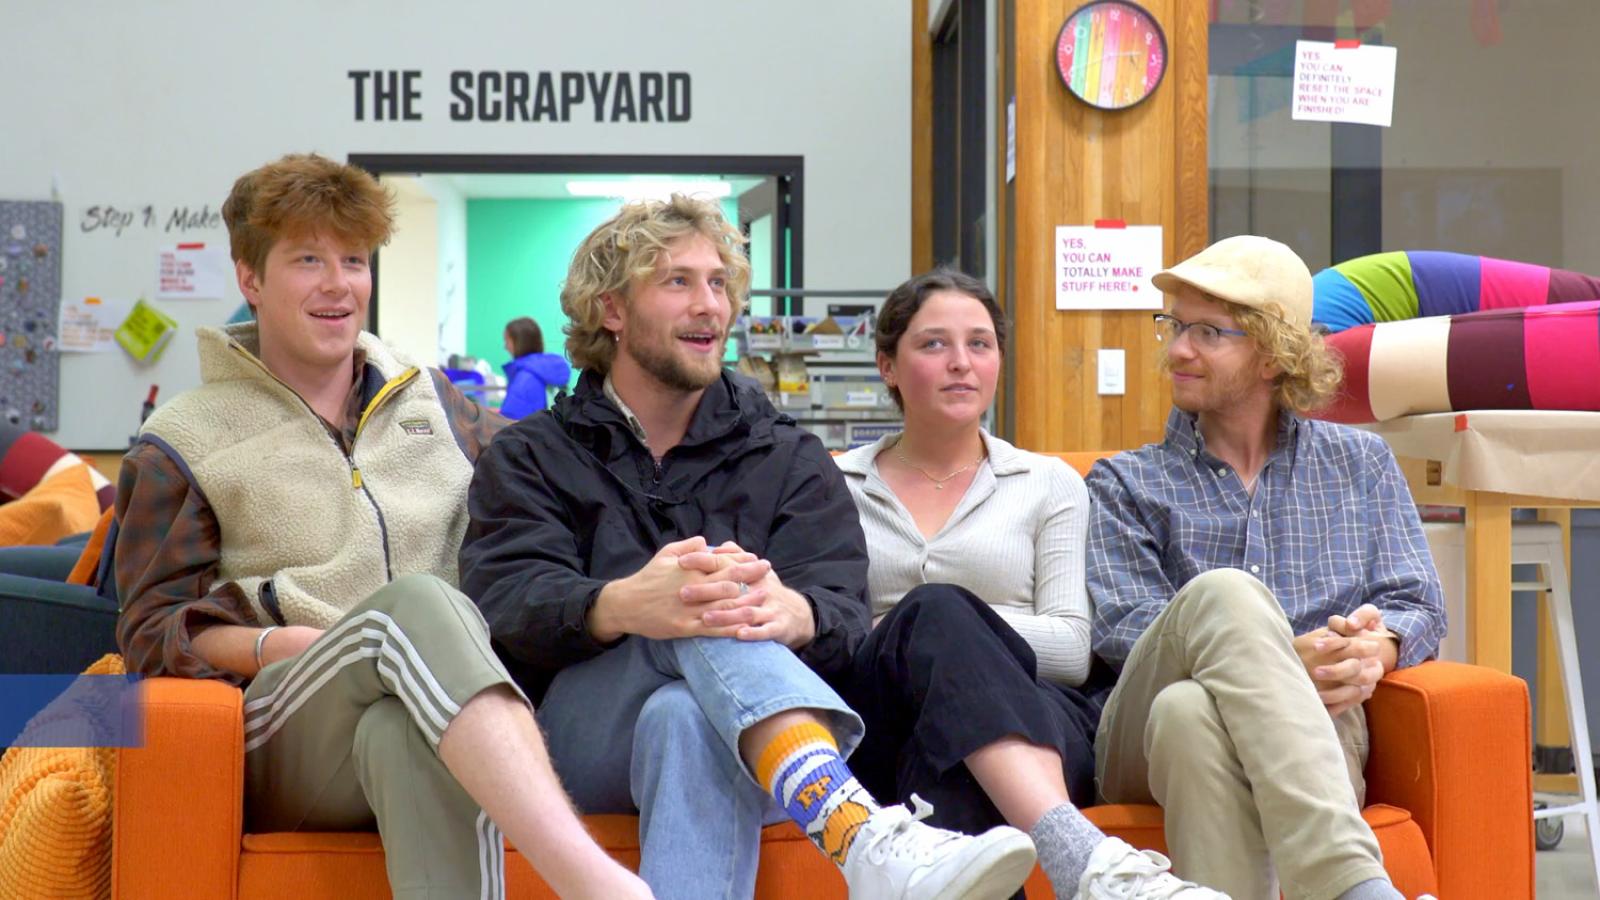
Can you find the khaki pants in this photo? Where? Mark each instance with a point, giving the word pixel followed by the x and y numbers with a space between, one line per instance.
pixel 1215 718
pixel 346 735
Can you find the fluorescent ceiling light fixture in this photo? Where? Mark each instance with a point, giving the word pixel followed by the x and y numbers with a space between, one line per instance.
pixel 649 190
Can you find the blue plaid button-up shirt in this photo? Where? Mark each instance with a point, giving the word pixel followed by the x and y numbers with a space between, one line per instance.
pixel 1331 526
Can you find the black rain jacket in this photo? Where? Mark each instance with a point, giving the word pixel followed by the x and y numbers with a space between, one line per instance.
pixel 565 501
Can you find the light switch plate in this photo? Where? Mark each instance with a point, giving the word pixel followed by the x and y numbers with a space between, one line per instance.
pixel 1113 371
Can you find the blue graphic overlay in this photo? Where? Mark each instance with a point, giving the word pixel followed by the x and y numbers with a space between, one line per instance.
pixel 70 711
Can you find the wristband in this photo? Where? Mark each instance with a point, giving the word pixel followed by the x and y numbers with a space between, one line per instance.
pixel 261 640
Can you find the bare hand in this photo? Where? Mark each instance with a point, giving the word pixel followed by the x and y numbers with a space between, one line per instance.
pixel 1354 674
pixel 731 573
pixel 1367 619
pixel 655 602
pixel 1344 669
pixel 782 615
pixel 286 642
pixel 1367 622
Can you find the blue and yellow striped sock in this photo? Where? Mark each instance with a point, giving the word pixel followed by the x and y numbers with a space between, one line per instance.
pixel 804 772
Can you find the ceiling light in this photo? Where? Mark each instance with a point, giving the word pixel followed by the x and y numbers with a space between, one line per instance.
pixel 650 190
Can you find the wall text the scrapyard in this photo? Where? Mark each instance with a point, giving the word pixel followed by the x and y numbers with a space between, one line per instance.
pixel 493 95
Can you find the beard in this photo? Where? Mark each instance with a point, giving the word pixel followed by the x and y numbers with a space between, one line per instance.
pixel 1217 391
pixel 659 355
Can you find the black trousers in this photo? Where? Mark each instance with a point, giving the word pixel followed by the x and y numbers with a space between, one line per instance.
pixel 942 676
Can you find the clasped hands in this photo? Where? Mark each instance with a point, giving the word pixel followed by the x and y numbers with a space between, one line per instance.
pixel 1348 658
pixel 691 589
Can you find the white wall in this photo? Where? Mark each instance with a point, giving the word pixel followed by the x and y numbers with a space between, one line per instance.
pixel 451 315
pixel 165 105
pixel 408 274
pixel 422 273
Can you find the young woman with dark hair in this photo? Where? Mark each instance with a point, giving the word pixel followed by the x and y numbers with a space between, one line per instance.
pixel 531 371
pixel 975 680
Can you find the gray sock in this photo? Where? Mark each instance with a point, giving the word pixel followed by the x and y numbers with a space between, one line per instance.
pixel 1064 839
pixel 1373 889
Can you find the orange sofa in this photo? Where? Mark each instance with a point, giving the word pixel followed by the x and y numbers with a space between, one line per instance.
pixel 1449 785
pixel 1449 788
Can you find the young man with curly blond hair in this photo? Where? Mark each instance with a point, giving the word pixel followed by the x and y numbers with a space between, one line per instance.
pixel 292 526
pixel 1254 576
pixel 673 567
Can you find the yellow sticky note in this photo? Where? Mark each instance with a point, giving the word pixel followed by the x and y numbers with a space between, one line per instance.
pixel 145 332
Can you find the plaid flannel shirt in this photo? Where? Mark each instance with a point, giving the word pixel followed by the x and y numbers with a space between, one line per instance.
pixel 1331 526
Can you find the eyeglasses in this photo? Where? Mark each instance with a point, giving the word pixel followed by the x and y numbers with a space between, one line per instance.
pixel 1204 335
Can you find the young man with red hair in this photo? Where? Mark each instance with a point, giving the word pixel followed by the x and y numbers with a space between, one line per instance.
pixel 292 526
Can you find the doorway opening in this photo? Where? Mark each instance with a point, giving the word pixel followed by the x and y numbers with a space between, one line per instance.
pixel 484 239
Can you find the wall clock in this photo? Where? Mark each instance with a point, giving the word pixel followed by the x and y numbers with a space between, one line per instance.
pixel 1111 54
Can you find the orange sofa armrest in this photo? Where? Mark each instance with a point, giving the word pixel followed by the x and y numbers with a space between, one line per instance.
pixel 1452 744
pixel 178 816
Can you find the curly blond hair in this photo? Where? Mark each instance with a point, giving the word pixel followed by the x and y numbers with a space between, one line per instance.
pixel 1311 373
pixel 627 248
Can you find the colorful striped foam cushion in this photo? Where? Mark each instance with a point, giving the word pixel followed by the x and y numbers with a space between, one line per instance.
pixel 1391 287
pixel 1543 357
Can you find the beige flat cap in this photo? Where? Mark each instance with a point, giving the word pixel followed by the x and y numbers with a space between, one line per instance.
pixel 1247 270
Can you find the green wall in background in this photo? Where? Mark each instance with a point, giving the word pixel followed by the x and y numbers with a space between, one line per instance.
pixel 517 257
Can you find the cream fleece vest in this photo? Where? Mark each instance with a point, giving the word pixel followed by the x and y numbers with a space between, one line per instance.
pixel 305 529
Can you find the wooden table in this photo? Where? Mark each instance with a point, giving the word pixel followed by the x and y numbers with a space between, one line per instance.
pixel 1490 463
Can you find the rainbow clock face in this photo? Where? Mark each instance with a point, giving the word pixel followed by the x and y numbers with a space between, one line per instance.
pixel 1111 54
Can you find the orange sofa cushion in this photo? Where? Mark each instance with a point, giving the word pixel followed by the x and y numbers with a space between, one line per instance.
pixel 1405 851
pixel 61 505
pixel 326 866
pixel 83 571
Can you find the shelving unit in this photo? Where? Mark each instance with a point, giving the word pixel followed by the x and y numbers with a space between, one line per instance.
pixel 844 401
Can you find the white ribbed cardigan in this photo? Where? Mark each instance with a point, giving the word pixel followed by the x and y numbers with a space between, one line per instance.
pixel 1016 540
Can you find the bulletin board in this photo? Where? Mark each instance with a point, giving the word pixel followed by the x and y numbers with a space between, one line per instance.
pixel 30 304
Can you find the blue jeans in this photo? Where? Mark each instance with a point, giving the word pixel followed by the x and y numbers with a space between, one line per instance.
pixel 654 726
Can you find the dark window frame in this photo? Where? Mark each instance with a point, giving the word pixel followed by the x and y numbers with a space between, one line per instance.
pixel 788 171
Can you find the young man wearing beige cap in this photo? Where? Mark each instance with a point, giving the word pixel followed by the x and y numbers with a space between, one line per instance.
pixel 1254 575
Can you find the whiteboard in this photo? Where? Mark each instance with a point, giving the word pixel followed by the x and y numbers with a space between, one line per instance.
pixel 102 393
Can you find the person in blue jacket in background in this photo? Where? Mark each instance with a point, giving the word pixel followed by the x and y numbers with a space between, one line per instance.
pixel 531 370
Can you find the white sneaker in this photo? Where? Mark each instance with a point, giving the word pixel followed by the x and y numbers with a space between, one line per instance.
pixel 896 857
pixel 1119 872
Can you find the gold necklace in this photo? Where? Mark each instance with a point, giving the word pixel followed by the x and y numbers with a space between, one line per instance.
pixel 938 483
